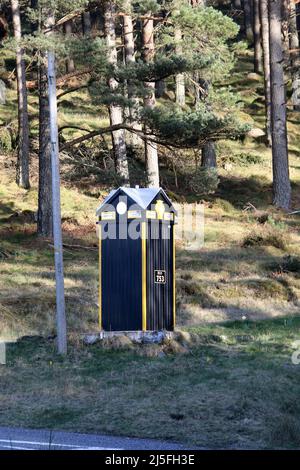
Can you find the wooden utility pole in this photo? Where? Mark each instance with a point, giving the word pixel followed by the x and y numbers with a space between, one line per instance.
pixel 57 233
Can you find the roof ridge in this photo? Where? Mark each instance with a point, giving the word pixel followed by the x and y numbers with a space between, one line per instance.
pixel 141 196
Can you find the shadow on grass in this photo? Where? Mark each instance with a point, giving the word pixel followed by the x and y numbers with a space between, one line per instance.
pixel 264 281
pixel 5 211
pixel 238 191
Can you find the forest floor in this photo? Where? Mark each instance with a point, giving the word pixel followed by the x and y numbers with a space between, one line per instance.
pixel 238 296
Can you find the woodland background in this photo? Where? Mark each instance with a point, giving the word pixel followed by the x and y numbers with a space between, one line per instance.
pixel 203 99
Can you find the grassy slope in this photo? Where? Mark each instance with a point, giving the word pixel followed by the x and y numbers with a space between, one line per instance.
pixel 241 390
pixel 238 389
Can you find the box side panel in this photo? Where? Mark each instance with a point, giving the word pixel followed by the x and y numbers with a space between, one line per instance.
pixel 159 277
pixel 121 285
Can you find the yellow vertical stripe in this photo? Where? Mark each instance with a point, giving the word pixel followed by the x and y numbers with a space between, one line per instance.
pixel 174 279
pixel 100 279
pixel 144 277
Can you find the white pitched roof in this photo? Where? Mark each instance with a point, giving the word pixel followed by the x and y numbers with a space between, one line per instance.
pixel 142 196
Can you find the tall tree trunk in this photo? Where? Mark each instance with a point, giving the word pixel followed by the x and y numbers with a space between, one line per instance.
pixel 3 27
pixel 160 88
pixel 257 37
pixel 208 155
pixel 179 78
pixel 196 75
pixel 129 49
pixel 237 4
pixel 86 23
pixel 208 152
pixel 152 168
pixel 285 13
pixel 281 181
pixel 248 15
pixel 45 210
pixel 295 56
pixel 68 27
pixel 97 23
pixel 22 176
pixel 115 110
pixel 264 19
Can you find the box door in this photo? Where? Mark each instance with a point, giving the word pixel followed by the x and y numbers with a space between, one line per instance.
pixel 159 276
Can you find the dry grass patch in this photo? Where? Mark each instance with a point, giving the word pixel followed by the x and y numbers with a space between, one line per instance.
pixel 267 236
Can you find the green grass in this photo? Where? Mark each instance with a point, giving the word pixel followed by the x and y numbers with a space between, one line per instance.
pixel 239 387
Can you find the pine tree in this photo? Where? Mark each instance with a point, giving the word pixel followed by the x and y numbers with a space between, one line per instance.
pixel 214 117
pixel 264 19
pixel 257 37
pixel 151 154
pixel 45 212
pixel 237 4
pixel 180 81
pixel 22 177
pixel 86 23
pixel 281 181
pixel 285 13
pixel 294 45
pixel 70 67
pixel 115 110
pixel 42 13
pixel 208 152
pixel 248 19
pixel 129 50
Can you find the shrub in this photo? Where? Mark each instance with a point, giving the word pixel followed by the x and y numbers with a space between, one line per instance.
pixel 266 236
pixel 288 264
pixel 227 155
pixel 226 206
pixel 268 288
pixel 6 141
pixel 203 181
pixel 291 264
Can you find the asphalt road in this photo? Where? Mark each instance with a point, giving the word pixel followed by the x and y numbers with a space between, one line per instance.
pixel 31 439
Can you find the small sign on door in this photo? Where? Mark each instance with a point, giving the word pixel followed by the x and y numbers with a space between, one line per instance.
pixel 159 276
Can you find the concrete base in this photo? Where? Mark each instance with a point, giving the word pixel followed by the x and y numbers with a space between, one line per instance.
pixel 140 337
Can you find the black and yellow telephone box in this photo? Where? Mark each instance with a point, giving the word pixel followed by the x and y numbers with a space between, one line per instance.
pixel 136 261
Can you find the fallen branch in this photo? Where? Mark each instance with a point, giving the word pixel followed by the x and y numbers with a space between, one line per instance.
pixel 149 137
pixel 5 254
pixel 102 130
pixel 294 212
pixel 32 84
pixel 249 206
pixel 71 90
pixel 78 128
pixel 77 247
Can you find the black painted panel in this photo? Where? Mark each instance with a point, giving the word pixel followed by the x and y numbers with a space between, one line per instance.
pixel 121 285
pixel 159 294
